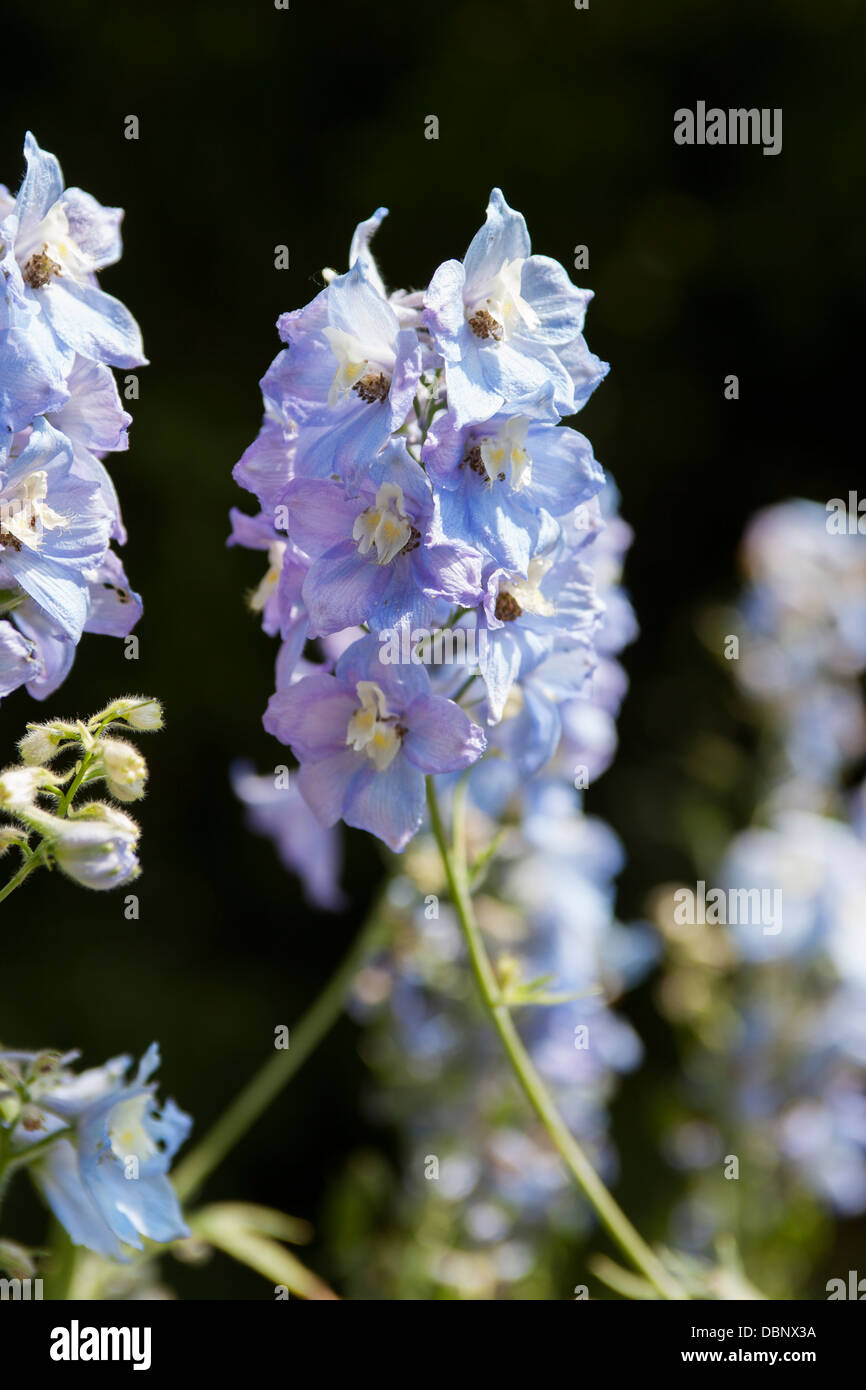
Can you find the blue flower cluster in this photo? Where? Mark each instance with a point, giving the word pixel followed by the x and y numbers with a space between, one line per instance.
pixel 547 905
pixel 804 655
pixel 60 413
pixel 425 513
pixel 793 1024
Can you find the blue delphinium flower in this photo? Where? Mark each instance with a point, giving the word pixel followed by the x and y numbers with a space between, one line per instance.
pixel 412 479
pixel 55 239
pixel 378 549
pixel 502 480
pixel 106 1178
pixel 366 736
pixel 349 375
pixel 412 473
pixel 509 326
pixel 95 424
pixel 53 527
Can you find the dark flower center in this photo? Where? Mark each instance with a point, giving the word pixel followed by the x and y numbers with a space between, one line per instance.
pixel 373 387
pixel 7 538
pixel 413 542
pixel 484 325
pixel 507 608
pixel 39 269
pixel 472 459
pixel 122 594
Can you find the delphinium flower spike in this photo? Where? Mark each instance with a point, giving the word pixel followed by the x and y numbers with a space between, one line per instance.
pixel 60 414
pixel 428 521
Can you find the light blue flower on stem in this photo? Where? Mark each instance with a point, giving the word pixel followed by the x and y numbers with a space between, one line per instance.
pixel 31 371
pixel 113 609
pixel 107 1181
pixel 366 736
pixel 348 378
pixel 509 326
pixel 95 424
pixel 60 237
pixel 525 620
pixel 19 660
pixel 53 527
pixel 279 594
pixel 500 480
pixel 379 554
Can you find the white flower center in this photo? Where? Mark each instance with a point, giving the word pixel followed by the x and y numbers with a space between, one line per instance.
pixel 359 369
pixel 126 1132
pixel 24 513
pixel 386 525
pixel 50 250
pixel 371 729
pixel 527 592
pixel 267 585
pixel 505 455
pixel 502 301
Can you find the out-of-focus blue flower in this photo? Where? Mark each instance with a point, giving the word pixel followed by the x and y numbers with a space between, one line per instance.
pixel 818 867
pixel 305 847
pixel 805 597
pixel 826 1139
pixel 795 881
pixel 106 1180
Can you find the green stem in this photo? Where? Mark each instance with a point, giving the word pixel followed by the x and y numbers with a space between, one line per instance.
pixel 33 860
pixel 66 800
pixel 267 1083
pixel 632 1244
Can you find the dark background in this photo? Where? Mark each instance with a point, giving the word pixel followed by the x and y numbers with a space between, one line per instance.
pixel 261 127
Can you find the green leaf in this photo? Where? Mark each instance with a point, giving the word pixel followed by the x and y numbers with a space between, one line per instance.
pixel 237 1229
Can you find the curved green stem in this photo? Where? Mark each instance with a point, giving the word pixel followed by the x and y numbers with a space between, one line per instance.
pixel 32 861
pixel 632 1244
pixel 267 1083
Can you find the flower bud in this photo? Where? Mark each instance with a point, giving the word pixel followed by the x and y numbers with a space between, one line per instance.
pixel 138 711
pixel 96 846
pixel 145 716
pixel 124 768
pixel 19 786
pixel 41 742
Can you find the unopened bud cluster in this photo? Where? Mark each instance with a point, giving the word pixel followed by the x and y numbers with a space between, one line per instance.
pixel 93 842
